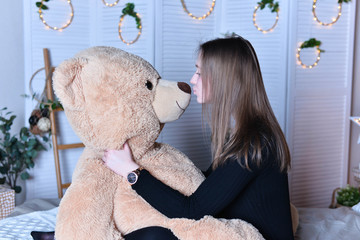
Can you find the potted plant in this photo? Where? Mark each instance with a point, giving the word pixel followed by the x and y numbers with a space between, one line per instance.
pixel 17 152
pixel 348 196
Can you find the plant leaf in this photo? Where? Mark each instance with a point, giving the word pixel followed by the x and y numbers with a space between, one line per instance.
pixel 25 175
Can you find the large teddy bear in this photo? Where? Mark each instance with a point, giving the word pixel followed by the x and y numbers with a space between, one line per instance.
pixel 110 97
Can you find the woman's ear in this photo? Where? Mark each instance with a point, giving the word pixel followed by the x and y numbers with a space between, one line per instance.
pixel 67 83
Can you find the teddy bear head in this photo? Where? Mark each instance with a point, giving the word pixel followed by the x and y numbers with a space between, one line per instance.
pixel 111 96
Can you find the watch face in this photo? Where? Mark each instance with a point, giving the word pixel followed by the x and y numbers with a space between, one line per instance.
pixel 132 177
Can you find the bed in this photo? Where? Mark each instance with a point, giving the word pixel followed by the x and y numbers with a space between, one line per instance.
pixel 314 223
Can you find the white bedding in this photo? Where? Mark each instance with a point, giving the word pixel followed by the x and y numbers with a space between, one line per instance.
pixel 20 227
pixel 328 224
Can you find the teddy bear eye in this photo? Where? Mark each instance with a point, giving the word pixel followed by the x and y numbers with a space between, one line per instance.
pixel 149 85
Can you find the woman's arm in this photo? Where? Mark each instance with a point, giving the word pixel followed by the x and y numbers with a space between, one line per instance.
pixel 217 191
pixel 222 186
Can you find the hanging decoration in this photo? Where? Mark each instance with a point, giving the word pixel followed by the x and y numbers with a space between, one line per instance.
pixel 274 7
pixel 203 16
pixel 334 20
pixel 129 10
pixel 312 42
pixel 40 117
pixel 41 5
pixel 110 4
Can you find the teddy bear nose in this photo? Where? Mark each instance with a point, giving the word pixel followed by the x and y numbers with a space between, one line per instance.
pixel 184 87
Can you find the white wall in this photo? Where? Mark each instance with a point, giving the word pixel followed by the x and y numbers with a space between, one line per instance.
pixel 12 61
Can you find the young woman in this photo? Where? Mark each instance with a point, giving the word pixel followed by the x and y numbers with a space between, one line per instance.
pixel 248 176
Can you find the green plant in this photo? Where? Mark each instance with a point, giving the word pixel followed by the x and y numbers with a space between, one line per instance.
pixel 49 104
pixel 346 1
pixel 312 42
pixel 129 10
pixel 348 196
pixel 41 5
pixel 53 105
pixel 274 7
pixel 17 152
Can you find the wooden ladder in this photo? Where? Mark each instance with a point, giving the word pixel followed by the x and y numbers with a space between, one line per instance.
pixel 56 147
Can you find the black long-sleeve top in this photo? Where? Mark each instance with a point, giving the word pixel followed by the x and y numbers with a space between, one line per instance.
pixel 259 196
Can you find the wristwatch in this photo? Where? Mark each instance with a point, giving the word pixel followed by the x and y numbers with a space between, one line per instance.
pixel 133 176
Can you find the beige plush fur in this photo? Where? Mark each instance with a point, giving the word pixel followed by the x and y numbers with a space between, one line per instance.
pixel 107 102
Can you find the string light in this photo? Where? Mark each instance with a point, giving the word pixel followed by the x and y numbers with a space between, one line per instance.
pixel 203 16
pixel 357 120
pixel 308 66
pixel 119 30
pixel 334 20
pixel 41 15
pixel 110 4
pixel 257 26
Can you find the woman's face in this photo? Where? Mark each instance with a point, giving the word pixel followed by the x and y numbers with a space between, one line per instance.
pixel 196 80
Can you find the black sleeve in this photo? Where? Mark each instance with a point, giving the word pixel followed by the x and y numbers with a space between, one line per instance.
pixel 223 185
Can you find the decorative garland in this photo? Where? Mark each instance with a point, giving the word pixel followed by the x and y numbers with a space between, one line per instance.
pixel 312 42
pixel 41 5
pixel 274 8
pixel 129 10
pixel 110 4
pixel 203 16
pixel 334 19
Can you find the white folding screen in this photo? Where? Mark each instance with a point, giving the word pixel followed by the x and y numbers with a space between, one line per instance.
pixel 177 39
pixel 62 45
pixel 96 24
pixel 93 24
pixel 105 28
pixel 311 105
pixel 319 102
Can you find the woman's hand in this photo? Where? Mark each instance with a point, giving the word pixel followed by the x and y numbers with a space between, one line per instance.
pixel 120 161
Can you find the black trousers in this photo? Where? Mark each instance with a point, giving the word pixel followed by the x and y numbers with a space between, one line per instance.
pixel 151 233
pixel 148 233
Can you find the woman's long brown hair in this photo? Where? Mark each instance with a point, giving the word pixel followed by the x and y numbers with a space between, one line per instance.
pixel 231 73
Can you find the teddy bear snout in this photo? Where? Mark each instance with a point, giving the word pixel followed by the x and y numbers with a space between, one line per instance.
pixel 184 87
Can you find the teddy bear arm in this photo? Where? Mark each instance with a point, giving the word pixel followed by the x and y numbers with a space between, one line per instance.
pixel 83 215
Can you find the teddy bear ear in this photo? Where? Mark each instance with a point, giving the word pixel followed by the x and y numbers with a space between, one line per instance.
pixel 67 83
